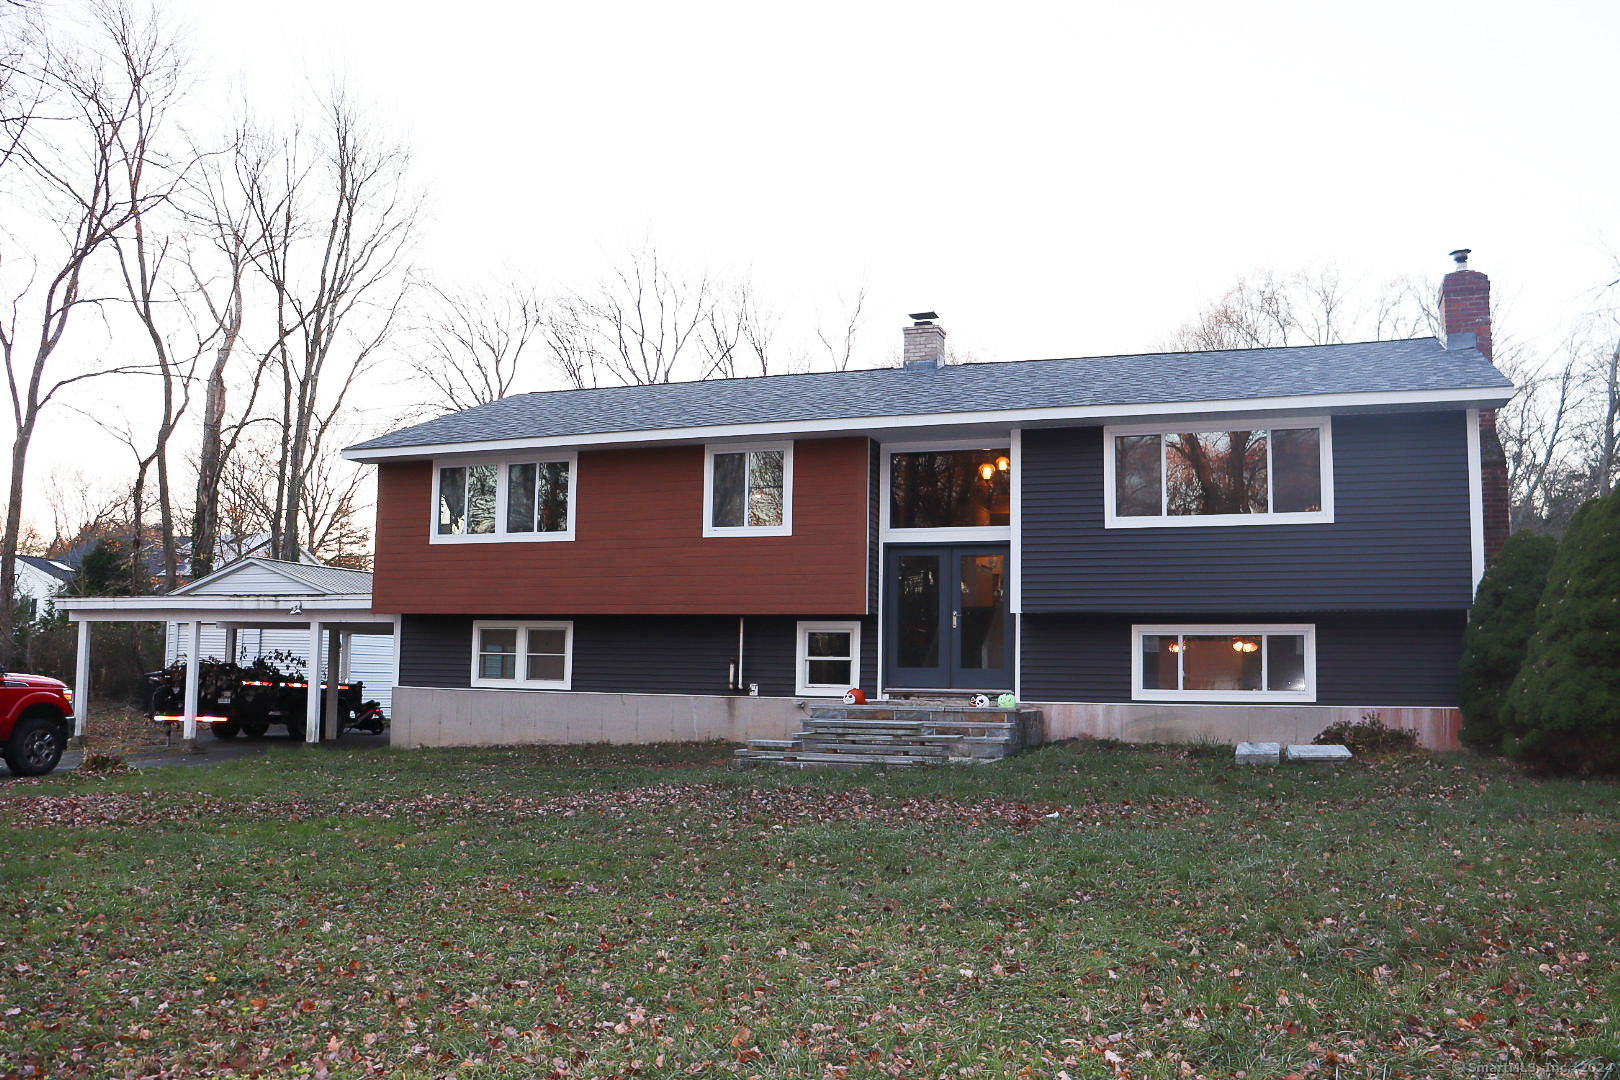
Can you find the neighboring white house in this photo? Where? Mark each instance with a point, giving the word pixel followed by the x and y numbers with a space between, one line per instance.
pixel 41 579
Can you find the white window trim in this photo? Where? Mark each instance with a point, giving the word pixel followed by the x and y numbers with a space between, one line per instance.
pixel 502 468
pixel 1112 520
pixel 958 535
pixel 1307 630
pixel 784 529
pixel 523 627
pixel 801 660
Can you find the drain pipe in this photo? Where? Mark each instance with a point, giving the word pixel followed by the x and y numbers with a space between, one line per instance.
pixel 739 685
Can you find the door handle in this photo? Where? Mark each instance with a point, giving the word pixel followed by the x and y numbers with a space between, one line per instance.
pixel 954 615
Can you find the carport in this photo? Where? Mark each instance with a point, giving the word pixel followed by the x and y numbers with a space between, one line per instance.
pixel 328 603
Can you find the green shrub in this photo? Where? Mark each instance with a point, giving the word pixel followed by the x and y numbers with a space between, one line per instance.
pixel 1367 736
pixel 1499 629
pixel 1563 708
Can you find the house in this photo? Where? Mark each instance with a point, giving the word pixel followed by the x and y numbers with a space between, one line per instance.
pixel 1225 545
pixel 227 550
pixel 40 579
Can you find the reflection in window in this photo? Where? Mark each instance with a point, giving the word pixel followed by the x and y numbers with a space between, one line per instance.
pixel 1138 486
pixel 1218 473
pixel 944 489
pixel 984 612
pixel 748 489
pixel 537 497
pixel 918 612
pixel 547 653
pixel 829 658
pixel 467 500
pixel 497 653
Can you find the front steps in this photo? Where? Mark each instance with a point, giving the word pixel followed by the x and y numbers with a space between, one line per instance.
pixel 899 735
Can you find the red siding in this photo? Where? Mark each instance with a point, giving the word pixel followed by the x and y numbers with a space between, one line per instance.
pixel 639 546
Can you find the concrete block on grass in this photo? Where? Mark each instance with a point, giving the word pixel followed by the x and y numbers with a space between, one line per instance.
pixel 1310 752
pixel 1258 753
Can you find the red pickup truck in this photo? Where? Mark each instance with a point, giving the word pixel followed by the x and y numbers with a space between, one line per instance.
pixel 36 718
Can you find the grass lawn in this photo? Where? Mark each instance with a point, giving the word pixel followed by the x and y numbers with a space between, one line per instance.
pixel 649 912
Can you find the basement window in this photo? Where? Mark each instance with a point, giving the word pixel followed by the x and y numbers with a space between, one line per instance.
pixel 1223 663
pixel 828 658
pixel 523 655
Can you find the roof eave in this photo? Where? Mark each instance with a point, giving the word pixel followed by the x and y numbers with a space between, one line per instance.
pixel 1402 400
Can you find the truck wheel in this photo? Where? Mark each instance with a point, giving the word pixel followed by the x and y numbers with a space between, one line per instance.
pixel 227 730
pixel 35 746
pixel 254 727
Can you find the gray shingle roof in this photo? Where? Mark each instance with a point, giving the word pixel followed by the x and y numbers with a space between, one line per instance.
pixel 1418 365
pixel 326 579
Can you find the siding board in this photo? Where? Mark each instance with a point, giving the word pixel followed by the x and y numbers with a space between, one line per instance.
pixel 637 655
pixel 1363 658
pixel 639 547
pixel 1399 539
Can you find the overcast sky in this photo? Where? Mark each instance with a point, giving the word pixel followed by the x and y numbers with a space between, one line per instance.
pixel 1065 179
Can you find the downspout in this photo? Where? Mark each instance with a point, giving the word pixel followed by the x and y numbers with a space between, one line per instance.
pixel 740 683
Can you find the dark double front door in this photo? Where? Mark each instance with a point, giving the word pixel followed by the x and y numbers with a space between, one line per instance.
pixel 946 623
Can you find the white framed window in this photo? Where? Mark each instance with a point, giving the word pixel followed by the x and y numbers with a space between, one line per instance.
pixel 1218 472
pixel 748 490
pixel 1226 663
pixel 501 500
pixel 828 658
pixel 942 492
pixel 523 655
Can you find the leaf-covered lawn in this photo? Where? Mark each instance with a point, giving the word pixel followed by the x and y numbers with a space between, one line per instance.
pixel 1084 910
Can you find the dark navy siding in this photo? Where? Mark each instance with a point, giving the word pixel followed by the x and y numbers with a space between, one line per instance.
pixel 1373 658
pixel 1399 539
pixel 636 654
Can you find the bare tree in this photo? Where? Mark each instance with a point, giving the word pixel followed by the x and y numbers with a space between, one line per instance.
pixel 643 324
pixel 337 224
pixel 72 166
pixel 469 346
pixel 1265 310
pixel 841 346
pixel 219 209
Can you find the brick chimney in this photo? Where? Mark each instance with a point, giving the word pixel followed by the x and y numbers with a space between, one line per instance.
pixel 924 343
pixel 1465 320
pixel 1465 306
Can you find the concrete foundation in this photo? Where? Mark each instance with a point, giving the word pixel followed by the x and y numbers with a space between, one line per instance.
pixel 428 717
pixel 433 717
pixel 1139 722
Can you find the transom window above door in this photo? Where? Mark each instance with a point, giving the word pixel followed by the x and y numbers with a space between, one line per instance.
pixel 949 488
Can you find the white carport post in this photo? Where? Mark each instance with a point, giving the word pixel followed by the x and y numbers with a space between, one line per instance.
pixel 230 644
pixel 312 680
pixel 188 729
pixel 81 680
pixel 334 647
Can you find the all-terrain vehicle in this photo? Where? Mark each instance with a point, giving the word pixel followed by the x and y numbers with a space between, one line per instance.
pixel 36 718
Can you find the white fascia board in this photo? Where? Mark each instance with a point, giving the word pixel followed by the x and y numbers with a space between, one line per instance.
pixel 212 608
pixel 1480 397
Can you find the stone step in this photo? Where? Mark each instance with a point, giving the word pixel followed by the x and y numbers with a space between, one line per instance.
pixel 879 739
pixel 868 748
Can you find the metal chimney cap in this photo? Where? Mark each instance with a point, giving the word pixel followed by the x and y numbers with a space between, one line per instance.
pixel 1461 255
pixel 924 318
